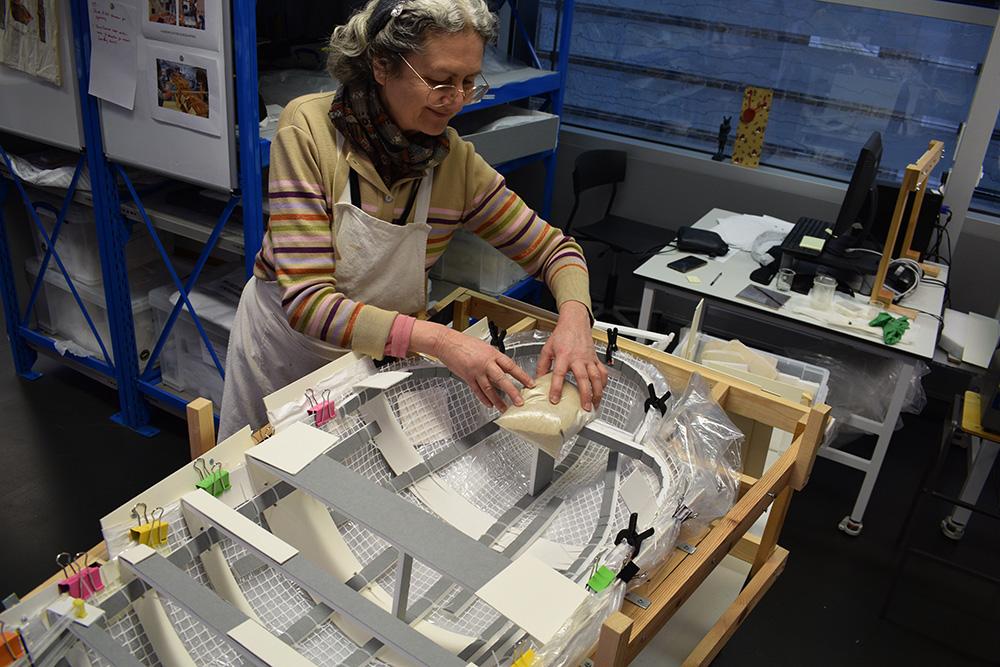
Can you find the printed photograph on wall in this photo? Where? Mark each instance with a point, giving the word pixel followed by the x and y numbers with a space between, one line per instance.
pixel 193 14
pixel 193 23
pixel 29 38
pixel 163 11
pixel 184 89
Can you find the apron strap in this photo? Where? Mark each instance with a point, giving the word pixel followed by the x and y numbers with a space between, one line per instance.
pixel 409 204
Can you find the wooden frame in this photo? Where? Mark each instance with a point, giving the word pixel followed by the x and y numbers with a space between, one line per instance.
pixel 627 632
pixel 914 181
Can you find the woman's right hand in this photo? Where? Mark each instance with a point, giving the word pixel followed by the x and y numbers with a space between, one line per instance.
pixel 484 368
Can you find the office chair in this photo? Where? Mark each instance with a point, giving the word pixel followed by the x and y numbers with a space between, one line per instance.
pixel 595 169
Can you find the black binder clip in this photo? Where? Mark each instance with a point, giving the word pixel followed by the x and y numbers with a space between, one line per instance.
pixel 496 337
pixel 634 538
pixel 609 351
pixel 658 403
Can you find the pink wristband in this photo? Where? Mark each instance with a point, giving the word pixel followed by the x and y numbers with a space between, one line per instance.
pixel 398 343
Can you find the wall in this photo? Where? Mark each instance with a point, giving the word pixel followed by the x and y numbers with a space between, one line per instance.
pixel 673 187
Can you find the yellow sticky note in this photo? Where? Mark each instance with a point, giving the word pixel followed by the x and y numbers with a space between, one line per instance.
pixel 694 279
pixel 829 230
pixel 812 243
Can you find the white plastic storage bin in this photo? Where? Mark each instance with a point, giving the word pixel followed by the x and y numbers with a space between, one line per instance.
pixel 78 249
pixel 185 363
pixel 504 133
pixel 57 312
pixel 471 262
pixel 799 370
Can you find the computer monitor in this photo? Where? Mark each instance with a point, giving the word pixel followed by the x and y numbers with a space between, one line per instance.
pixel 857 212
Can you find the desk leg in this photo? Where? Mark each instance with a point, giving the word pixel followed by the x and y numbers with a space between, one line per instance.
pixel 646 309
pixel 954 525
pixel 853 523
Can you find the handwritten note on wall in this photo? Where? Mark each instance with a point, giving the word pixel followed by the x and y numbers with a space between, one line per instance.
pixel 113 51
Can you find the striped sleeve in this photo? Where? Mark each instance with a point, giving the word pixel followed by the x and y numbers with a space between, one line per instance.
pixel 497 215
pixel 299 249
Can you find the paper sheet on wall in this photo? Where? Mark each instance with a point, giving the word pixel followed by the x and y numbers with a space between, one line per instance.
pixel 184 87
pixel 29 38
pixel 113 52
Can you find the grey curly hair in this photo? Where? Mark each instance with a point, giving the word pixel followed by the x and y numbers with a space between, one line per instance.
pixel 386 29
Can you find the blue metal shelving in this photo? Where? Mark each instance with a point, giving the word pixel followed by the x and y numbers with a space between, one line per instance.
pixel 111 188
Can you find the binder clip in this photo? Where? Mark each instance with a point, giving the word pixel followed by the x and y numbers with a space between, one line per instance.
pixel 322 410
pixel 79 582
pixel 609 352
pixel 654 402
pixel 214 480
pixel 634 538
pixel 151 533
pixel 13 646
pixel 496 337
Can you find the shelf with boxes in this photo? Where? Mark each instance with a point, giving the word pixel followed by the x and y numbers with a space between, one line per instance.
pixel 516 124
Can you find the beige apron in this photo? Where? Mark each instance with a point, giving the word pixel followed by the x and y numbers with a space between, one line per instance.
pixel 377 263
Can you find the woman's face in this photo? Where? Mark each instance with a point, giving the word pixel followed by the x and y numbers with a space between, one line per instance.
pixel 454 59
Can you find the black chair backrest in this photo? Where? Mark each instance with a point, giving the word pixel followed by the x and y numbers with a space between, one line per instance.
pixel 595 169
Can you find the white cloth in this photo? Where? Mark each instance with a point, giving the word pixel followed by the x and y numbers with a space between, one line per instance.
pixel 378 263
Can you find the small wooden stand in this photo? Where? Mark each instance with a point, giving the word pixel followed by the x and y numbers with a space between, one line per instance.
pixel 914 181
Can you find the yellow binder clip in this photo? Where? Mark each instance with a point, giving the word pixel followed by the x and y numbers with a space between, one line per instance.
pixel 151 533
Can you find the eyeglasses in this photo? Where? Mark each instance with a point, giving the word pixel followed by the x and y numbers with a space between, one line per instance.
pixel 444 94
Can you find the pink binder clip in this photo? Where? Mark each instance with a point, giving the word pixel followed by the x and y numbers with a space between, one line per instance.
pixel 79 581
pixel 321 410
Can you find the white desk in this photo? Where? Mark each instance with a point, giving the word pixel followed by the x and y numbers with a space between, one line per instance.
pixel 920 340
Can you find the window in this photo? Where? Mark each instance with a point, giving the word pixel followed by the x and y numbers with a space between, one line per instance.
pixel 987 196
pixel 669 70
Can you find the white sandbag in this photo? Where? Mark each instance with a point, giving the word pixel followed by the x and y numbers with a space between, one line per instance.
pixel 545 425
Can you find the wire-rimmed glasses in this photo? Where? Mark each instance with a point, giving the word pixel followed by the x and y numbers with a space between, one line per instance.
pixel 444 94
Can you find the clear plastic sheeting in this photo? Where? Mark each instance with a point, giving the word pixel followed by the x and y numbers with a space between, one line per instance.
pixel 863 384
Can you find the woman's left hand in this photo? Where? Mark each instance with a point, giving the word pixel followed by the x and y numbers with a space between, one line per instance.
pixel 571 348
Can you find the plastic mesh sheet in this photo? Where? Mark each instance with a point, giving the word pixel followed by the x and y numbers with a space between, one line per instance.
pixel 435 411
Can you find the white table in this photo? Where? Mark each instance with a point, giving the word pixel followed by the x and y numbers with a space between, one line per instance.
pixel 731 276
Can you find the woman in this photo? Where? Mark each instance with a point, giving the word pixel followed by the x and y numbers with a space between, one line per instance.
pixel 367 186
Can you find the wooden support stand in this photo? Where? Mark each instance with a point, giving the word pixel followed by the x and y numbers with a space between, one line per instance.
pixel 915 182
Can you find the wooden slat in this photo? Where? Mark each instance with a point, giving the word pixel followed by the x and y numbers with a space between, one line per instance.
pixel 460 318
pixel 720 393
pixel 772 529
pixel 911 224
pixel 746 549
pixel 909 183
pixel 809 434
pixel 524 324
pixel 972 417
pixel 201 427
pixel 692 571
pixel 730 621
pixel 612 647
pixel 746 483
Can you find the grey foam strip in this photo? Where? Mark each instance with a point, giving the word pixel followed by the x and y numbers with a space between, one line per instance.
pixel 498 646
pixel 412 530
pixel 101 643
pixel 246 565
pixel 534 529
pixel 604 518
pixel 354 442
pixel 197 600
pixel 447 455
pixel 493 630
pixel 253 509
pixel 386 627
pixel 374 569
pixel 363 655
pixel 611 442
pixel 303 627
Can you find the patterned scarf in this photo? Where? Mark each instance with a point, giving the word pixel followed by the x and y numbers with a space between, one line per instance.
pixel 358 114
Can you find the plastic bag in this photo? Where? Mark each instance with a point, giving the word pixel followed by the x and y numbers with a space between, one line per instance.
pixel 699 437
pixel 863 384
pixel 545 425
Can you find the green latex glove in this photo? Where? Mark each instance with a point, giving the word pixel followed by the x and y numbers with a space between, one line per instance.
pixel 892 328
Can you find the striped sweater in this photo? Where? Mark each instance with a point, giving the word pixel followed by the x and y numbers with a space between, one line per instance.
pixel 307 173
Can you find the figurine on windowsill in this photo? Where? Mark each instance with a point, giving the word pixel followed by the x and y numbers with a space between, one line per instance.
pixel 724 129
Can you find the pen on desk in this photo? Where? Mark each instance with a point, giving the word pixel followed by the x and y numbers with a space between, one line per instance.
pixel 714 279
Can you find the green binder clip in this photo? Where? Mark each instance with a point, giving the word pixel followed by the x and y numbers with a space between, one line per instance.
pixel 214 480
